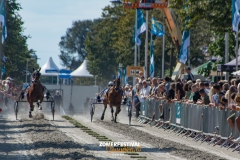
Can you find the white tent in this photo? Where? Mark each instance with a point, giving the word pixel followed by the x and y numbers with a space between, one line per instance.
pixel 49 66
pixel 82 71
pixel 237 73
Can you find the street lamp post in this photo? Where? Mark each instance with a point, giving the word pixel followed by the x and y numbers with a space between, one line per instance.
pixel 34 57
pixel 27 70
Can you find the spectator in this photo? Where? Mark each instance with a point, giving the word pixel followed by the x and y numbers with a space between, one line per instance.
pixel 201 85
pixel 137 99
pixel 167 81
pixel 171 92
pixel 195 96
pixel 237 81
pixel 218 95
pixel 190 75
pixel 154 87
pixel 204 97
pixel 232 82
pixel 145 90
pixel 86 104
pixel 186 90
pixel 127 91
pixel 207 88
pixel 179 91
pixel 225 88
pixel 58 99
pixel 228 94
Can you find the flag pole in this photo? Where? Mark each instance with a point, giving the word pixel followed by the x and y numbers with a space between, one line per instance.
pixel 135 53
pixel 163 51
pixel 226 53
pixel 138 49
pixel 151 43
pixel 236 51
pixel 146 48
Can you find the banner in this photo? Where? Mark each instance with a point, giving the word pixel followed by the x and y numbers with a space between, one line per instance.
pixel 235 14
pixel 141 26
pixel 157 28
pixel 152 59
pixel 3 21
pixel 183 56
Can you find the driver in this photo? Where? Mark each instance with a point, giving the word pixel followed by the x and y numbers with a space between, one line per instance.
pixel 110 84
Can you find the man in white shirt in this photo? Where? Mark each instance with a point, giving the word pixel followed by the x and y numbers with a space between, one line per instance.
pixel 145 90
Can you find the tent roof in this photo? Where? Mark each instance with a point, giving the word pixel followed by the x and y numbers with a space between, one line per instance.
pixel 195 70
pixel 82 71
pixel 233 62
pixel 49 65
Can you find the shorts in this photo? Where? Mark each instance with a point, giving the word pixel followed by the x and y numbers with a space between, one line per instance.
pixel 232 117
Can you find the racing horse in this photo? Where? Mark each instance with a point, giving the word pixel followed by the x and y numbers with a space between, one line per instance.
pixel 35 93
pixel 113 98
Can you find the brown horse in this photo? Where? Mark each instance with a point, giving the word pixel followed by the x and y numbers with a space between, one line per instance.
pixel 35 93
pixel 113 98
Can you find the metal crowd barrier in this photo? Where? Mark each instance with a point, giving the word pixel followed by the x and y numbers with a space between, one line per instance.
pixel 200 122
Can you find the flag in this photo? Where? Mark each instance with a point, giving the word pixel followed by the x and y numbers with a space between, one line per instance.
pixel 152 59
pixel 3 21
pixel 157 28
pixel 119 72
pixel 125 76
pixel 141 26
pixel 4 59
pixel 184 48
pixel 235 14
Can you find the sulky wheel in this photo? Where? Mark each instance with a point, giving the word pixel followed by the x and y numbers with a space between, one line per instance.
pixel 53 109
pixel 92 108
pixel 16 109
pixel 129 113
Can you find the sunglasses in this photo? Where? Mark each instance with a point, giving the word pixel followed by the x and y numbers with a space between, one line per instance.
pixel 110 85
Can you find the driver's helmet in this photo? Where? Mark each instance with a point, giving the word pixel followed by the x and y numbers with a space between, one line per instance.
pixel 110 83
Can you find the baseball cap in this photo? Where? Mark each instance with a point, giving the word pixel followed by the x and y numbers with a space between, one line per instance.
pixel 188 68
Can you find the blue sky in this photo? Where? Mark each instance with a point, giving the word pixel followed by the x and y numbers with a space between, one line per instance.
pixel 47 20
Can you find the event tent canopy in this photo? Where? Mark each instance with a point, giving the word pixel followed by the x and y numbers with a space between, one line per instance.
pixel 229 67
pixel 48 67
pixel 82 71
pixel 205 65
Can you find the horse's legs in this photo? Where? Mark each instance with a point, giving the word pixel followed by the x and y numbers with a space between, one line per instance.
pixel 112 112
pixel 118 110
pixel 31 108
pixel 105 106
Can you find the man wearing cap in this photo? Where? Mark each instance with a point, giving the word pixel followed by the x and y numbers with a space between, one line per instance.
pixel 110 84
pixel 190 75
pixel 58 100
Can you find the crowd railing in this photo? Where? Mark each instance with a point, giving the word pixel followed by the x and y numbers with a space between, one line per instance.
pixel 201 122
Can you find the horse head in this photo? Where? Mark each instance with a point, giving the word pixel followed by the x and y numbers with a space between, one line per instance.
pixel 37 74
pixel 117 83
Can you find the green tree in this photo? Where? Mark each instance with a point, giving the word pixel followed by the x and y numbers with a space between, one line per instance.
pixel 72 46
pixel 217 13
pixel 99 45
pixel 15 47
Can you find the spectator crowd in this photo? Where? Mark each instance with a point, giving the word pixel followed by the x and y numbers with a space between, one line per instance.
pixel 223 94
pixel 8 93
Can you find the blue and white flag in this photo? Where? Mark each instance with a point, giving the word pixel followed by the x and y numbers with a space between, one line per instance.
pixel 125 76
pixel 3 21
pixel 141 26
pixel 119 73
pixel 4 59
pixel 183 56
pixel 157 28
pixel 235 14
pixel 152 59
